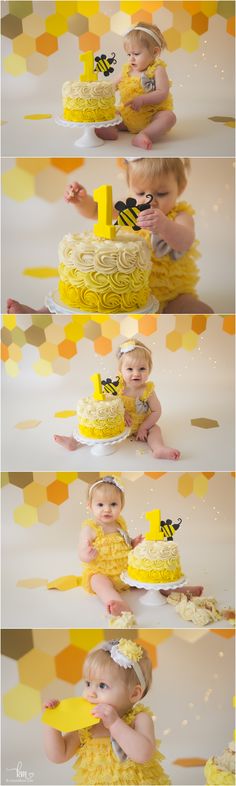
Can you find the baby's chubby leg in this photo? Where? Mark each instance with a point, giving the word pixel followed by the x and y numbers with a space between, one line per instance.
pixel 187 304
pixel 163 121
pixel 14 307
pixel 106 592
pixel 159 450
pixel 69 443
pixel 111 132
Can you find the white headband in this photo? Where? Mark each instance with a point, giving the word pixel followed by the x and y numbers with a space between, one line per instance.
pixel 106 479
pixel 145 30
pixel 129 346
pixel 123 660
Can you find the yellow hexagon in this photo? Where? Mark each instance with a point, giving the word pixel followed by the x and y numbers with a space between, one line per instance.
pixel 48 351
pixel 110 328
pixel 155 636
pixel 14 64
pixel 24 45
pixel 48 513
pixel 190 41
pixel 130 7
pixel 9 321
pixel 99 23
pixel 50 184
pixel 74 331
pixel 209 8
pixel 33 25
pixel 119 23
pixel 56 24
pixel 11 368
pixel 36 669
pixel 15 352
pixel 43 368
pixel 86 639
pixel 25 515
pixel 32 165
pixel 51 641
pixel 34 494
pixel 88 8
pixel 181 20
pixel 200 485
pixel 190 340
pixel 55 333
pixel 128 327
pixel 173 39
pixel 67 477
pixel 18 184
pixel 22 703
pixel 66 8
pixel 185 484
pixel 173 340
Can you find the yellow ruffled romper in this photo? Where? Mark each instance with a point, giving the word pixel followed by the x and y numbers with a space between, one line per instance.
pixel 130 86
pixel 98 764
pixel 138 408
pixel 112 556
pixel 169 277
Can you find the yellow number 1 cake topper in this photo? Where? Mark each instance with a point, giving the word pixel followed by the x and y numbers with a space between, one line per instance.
pixel 89 75
pixel 98 395
pixel 155 532
pixel 104 227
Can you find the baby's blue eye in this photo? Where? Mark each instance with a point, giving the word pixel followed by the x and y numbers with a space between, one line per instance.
pixel 114 504
pixel 102 685
pixel 87 683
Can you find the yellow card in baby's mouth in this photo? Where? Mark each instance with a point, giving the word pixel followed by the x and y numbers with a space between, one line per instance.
pixel 70 715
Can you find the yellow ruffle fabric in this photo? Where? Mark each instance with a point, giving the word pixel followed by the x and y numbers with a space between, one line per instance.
pixel 98 764
pixel 216 777
pixel 171 278
pixel 112 556
pixel 130 405
pixel 130 86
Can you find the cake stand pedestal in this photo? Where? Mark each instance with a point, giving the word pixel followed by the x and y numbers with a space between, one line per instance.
pixel 104 446
pixel 55 305
pixel 88 138
pixel 152 597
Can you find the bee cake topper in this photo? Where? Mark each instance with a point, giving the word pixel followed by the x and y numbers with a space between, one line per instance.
pixel 129 211
pixel 104 64
pixel 168 528
pixel 110 385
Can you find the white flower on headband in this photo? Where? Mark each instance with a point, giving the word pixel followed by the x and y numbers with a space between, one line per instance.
pixel 126 654
pixel 128 346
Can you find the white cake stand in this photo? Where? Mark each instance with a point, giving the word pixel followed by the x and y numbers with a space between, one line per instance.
pixel 104 446
pixel 88 138
pixel 152 597
pixel 55 305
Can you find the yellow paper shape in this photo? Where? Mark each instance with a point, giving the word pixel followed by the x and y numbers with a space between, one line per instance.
pixel 41 272
pixel 28 424
pixel 70 715
pixel 64 583
pixel 36 117
pixel 32 583
pixel 65 413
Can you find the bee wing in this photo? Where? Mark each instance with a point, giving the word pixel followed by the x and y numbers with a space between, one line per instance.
pixel 120 205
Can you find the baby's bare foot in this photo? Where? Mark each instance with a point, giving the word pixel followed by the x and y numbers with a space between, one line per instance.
pixel 142 140
pixel 167 453
pixel 107 133
pixel 67 442
pixel 13 307
pixel 116 607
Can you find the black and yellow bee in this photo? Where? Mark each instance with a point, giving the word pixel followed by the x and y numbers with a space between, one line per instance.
pixel 168 528
pixel 111 385
pixel 104 64
pixel 129 211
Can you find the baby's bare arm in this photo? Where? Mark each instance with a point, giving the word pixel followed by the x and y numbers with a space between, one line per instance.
pixel 155 414
pixel 85 546
pixel 162 88
pixel 58 748
pixel 178 234
pixel 137 743
pixel 77 195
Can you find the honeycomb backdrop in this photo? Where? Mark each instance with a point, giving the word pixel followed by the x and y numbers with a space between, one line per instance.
pixel 55 340
pixel 34 34
pixel 40 495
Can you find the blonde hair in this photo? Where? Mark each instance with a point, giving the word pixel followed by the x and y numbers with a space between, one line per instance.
pixel 139 351
pixel 142 37
pixel 151 168
pixel 99 661
pixel 104 485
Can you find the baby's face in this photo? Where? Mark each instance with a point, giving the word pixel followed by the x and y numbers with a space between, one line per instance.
pixel 106 690
pixel 139 56
pixel 164 189
pixel 135 369
pixel 105 504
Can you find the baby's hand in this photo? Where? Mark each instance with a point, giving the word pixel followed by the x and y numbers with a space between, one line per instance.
pixel 136 103
pixel 152 219
pixel 142 433
pixel 89 552
pixel 128 419
pixel 106 713
pixel 74 193
pixel 51 704
pixel 136 541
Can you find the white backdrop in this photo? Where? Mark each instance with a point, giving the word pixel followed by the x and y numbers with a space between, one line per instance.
pixel 203 87
pixel 39 225
pixel 190 385
pixel 188 723
pixel 205 540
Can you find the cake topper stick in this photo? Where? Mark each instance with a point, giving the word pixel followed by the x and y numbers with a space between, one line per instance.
pixel 104 227
pixel 89 75
pixel 155 533
pixel 98 395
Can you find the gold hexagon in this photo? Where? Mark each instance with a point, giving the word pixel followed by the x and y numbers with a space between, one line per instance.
pixel 36 669
pixel 22 703
pixel 18 184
